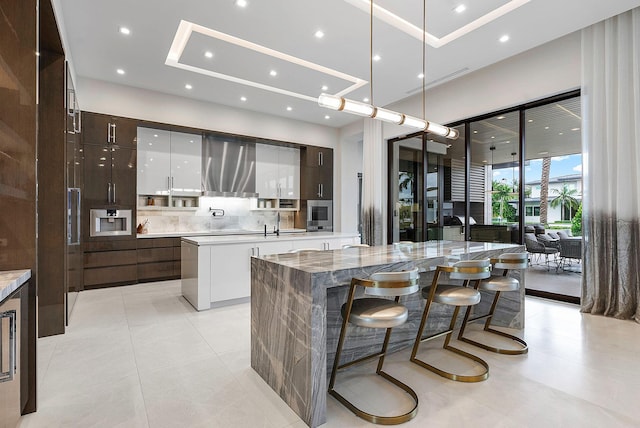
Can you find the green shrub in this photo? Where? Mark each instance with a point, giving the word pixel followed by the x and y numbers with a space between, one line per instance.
pixel 576 223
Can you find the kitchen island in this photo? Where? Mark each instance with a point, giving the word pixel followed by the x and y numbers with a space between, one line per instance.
pixel 295 311
pixel 216 270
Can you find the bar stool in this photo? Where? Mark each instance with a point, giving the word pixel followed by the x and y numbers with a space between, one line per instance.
pixel 377 312
pixel 458 296
pixel 305 250
pixel 498 284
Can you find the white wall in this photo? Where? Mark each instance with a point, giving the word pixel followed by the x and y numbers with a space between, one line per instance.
pixel 109 98
pixel 547 70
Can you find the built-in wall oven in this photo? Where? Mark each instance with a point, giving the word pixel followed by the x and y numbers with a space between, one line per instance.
pixel 319 216
pixel 111 222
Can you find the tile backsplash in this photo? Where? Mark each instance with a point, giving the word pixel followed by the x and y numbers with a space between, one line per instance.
pixel 238 215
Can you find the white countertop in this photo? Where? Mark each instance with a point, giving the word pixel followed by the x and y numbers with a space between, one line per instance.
pixel 220 232
pixel 215 240
pixel 11 280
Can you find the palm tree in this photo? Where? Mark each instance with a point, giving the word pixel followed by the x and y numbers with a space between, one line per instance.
pixel 544 189
pixel 502 193
pixel 564 197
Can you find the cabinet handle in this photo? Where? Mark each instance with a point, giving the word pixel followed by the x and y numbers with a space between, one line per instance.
pixel 319 190
pixel 258 251
pixel 253 251
pixel 79 121
pixel 114 133
pixel 114 193
pixel 172 182
pixel 7 376
pixel 108 132
pixel 168 183
pixel 109 194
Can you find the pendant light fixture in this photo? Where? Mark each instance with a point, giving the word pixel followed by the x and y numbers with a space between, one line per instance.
pixel 335 102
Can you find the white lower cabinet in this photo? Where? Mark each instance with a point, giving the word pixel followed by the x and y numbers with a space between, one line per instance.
pixel 220 274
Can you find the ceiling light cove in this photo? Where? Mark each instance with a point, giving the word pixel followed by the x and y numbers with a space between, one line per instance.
pixel 186 30
pixel 436 42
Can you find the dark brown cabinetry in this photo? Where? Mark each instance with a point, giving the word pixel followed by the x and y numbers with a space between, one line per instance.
pixel 158 259
pixel 316 173
pixel 109 177
pixel 103 129
pixel 111 262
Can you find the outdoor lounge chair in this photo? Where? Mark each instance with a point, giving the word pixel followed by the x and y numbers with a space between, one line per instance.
pixel 570 249
pixel 538 249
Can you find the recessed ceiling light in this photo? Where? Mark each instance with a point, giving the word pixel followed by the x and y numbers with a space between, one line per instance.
pixel 327 117
pixel 504 38
pixel 543 153
pixel 125 31
pixel 120 71
pixel 484 161
pixel 575 129
pixel 560 133
pixel 376 57
pixel 289 108
pixel 243 99
pixel 208 54
pixel 188 86
pixel 530 120
pixel 460 8
pixel 546 127
pixel 273 73
pixel 493 138
pixel 500 117
pixel 324 87
pixel 319 34
pixel 475 132
pixel 155 135
pixel 365 100
pixel 241 3
pixel 421 76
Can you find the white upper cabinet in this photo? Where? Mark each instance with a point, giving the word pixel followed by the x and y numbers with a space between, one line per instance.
pixel 169 163
pixel 277 172
pixel 154 161
pixel 186 164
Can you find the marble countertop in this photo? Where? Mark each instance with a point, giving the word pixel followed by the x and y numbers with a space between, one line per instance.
pixel 437 252
pixel 11 280
pixel 233 232
pixel 257 238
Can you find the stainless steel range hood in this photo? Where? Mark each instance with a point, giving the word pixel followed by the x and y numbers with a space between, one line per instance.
pixel 228 166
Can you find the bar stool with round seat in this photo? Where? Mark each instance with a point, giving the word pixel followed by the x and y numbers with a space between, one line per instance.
pixel 458 296
pixel 345 246
pixel 376 312
pixel 498 284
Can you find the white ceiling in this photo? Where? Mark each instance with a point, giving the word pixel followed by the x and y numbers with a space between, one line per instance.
pixel 247 43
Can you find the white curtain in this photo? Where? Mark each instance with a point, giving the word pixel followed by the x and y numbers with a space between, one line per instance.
pixel 373 183
pixel 611 165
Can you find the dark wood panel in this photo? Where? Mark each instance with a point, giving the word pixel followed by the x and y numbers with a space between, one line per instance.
pixel 110 245
pixel 114 275
pixel 147 255
pixel 157 271
pixel 52 194
pixel 316 169
pixel 158 242
pixel 109 258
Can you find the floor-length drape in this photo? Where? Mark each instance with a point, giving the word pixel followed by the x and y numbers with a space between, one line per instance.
pixel 611 168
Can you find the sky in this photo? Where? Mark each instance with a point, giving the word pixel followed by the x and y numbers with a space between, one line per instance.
pixel 560 166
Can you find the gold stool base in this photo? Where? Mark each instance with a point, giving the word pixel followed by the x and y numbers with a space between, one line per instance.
pixel 382 420
pixel 453 376
pixel 522 350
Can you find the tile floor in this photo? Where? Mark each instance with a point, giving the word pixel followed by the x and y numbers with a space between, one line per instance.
pixel 140 356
